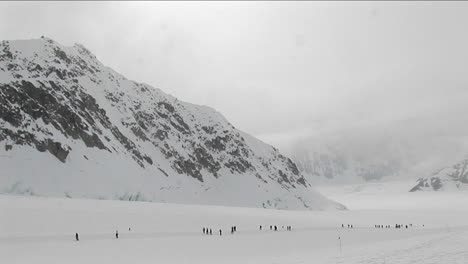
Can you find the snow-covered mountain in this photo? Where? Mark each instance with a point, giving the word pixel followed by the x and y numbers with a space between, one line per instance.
pixel 453 177
pixel 340 163
pixel 70 126
pixel 362 153
pixel 329 167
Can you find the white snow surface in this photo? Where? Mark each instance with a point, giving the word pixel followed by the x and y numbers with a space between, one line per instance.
pixel 42 230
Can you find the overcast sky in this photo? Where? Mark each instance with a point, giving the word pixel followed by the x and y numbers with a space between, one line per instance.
pixel 281 70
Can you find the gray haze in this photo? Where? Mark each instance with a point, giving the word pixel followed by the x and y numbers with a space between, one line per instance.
pixel 365 74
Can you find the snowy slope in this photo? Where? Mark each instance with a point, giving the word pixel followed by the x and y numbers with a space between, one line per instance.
pixel 168 233
pixel 453 177
pixel 70 126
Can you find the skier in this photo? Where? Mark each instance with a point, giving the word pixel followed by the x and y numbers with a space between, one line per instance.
pixel 220 232
pixel 76 237
pixel 116 234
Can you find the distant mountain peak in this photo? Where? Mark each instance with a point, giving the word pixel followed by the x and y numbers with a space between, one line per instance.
pixel 453 177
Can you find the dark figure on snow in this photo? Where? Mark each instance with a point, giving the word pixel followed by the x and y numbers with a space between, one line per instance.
pixel 129 229
pixel 117 234
pixel 76 237
pixel 235 228
pixel 406 226
pixel 342 225
pixel 270 227
pixel 260 227
pixel 204 231
pixel 276 228
pixel 220 232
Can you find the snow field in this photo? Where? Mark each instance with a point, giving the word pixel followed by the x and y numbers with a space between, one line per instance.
pixel 41 230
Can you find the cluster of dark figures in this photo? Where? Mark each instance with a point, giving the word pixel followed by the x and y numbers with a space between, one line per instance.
pixel 209 231
pixel 233 229
pixel 272 227
pixel 77 237
pixel 383 226
pixel 397 226
pixel 349 226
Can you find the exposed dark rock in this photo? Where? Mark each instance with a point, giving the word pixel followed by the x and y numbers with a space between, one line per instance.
pixel 188 167
pixel 218 143
pixel 207 161
pixel 164 172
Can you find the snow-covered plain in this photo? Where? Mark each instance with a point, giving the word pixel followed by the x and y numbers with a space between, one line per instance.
pixel 41 230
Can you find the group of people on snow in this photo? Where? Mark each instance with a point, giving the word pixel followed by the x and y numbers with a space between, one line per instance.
pixel 397 226
pixel 274 227
pixel 207 231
